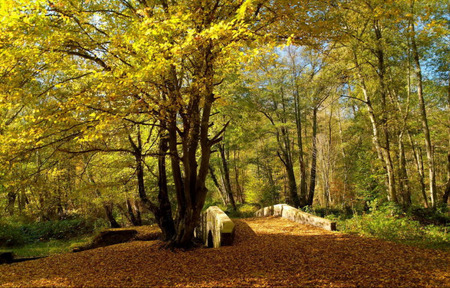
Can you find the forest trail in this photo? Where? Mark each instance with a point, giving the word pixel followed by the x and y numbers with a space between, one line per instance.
pixel 268 251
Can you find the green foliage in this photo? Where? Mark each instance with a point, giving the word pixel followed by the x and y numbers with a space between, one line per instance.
pixel 387 222
pixel 243 211
pixel 16 234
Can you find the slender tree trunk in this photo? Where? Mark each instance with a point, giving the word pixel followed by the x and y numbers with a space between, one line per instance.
pixel 381 72
pixel 226 174
pixel 447 187
pixel 328 164
pixel 218 186
pixel 298 122
pixel 423 114
pixel 382 152
pixel 344 155
pixel 403 175
pixel 312 179
pixel 419 168
pixel 240 193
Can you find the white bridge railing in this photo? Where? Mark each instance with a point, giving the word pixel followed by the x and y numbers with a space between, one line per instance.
pixel 296 215
pixel 215 228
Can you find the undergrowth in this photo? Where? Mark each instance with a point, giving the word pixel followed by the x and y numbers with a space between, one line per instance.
pixel 389 222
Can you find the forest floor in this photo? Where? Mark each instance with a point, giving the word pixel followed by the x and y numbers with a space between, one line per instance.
pixel 266 252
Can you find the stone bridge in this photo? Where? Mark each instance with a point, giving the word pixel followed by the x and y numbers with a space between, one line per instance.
pixel 296 215
pixel 215 228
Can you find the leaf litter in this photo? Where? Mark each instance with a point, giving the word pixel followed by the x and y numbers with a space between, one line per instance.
pixel 268 251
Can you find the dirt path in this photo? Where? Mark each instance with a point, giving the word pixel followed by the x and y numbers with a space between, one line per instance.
pixel 267 252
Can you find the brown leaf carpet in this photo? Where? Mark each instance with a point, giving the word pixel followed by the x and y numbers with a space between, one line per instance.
pixel 266 252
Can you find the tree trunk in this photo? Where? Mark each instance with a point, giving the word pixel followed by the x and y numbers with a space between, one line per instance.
pixel 11 202
pixel 134 217
pixel 162 212
pixel 226 175
pixel 419 167
pixel 240 193
pixel 447 187
pixel 298 123
pixel 218 186
pixel 195 115
pixel 386 150
pixel 423 114
pixel 109 215
pixel 312 179
pixel 293 196
pixel 405 189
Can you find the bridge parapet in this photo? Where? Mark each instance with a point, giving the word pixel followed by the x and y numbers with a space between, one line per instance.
pixel 215 228
pixel 296 215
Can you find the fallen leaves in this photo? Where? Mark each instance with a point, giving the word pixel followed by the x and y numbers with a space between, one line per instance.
pixel 266 252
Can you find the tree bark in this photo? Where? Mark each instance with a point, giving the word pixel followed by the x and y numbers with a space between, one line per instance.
pixel 419 167
pixel 190 185
pixel 423 113
pixel 403 175
pixel 163 211
pixel 240 193
pixel 312 179
pixel 11 202
pixel 226 175
pixel 447 187
pixel 298 123
pixel 386 150
pixel 109 215
pixel 218 186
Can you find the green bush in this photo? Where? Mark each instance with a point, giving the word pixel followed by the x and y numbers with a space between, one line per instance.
pixel 11 235
pixel 243 210
pixel 390 223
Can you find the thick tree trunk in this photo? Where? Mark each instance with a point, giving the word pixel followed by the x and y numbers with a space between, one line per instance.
pixel 135 217
pixel 163 211
pixel 11 202
pixel 293 196
pixel 190 185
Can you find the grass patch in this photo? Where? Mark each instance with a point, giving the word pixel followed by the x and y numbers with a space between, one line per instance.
pixel 13 233
pixel 47 248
